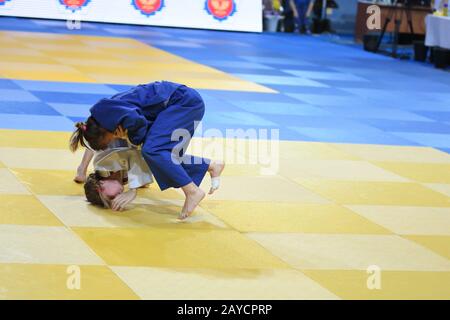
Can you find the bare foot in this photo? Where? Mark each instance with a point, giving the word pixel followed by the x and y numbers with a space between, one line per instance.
pixel 81 176
pixel 215 170
pixel 191 202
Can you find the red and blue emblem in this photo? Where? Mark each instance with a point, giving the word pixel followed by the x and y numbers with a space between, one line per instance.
pixel 148 7
pixel 2 2
pixel 220 9
pixel 74 5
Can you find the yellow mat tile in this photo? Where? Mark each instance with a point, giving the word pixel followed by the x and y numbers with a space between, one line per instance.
pixel 337 170
pixel 35 67
pixel 408 220
pixel 395 153
pixel 40 158
pixel 158 283
pixel 395 285
pixel 34 139
pixel 25 210
pixel 75 62
pixel 421 172
pixel 28 59
pixel 345 252
pixel 62 76
pixel 123 51
pixel 49 182
pixel 312 151
pixel 9 184
pixel 43 245
pixel 443 188
pixel 291 217
pixel 177 248
pixel 19 50
pixel 439 244
pixel 142 213
pixel 49 282
pixel 376 193
pixel 262 189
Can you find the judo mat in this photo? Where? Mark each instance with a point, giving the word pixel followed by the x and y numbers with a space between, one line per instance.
pixel 358 208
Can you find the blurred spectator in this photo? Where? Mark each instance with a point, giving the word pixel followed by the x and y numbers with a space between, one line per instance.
pixel 271 15
pixel 287 9
pixel 302 9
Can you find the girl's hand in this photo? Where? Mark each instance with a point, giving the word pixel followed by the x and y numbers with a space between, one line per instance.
pixel 120 132
pixel 120 202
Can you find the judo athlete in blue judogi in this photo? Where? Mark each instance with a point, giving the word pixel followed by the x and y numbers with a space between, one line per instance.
pixel 148 115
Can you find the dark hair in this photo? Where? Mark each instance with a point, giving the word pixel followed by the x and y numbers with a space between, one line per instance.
pixel 90 132
pixel 92 190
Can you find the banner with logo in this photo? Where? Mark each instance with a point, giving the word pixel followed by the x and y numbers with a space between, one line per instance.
pixel 233 15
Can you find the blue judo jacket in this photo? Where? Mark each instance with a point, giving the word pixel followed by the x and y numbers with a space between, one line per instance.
pixel 134 109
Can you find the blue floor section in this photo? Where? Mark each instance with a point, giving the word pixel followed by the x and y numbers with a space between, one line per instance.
pixel 327 92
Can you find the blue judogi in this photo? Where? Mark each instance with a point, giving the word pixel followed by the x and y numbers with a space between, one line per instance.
pixel 150 113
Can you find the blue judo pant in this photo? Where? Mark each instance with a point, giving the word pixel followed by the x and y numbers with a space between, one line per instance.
pixel 185 108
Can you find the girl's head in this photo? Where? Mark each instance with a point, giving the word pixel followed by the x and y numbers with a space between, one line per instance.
pixel 100 191
pixel 91 135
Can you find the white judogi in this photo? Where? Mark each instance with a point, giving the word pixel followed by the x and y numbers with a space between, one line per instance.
pixel 122 156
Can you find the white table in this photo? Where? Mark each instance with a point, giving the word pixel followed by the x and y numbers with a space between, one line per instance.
pixel 438 31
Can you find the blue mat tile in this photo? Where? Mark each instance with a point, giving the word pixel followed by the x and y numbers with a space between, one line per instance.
pixel 66 87
pixel 237 64
pixel 35 122
pixel 236 119
pixel 272 60
pixel 436 140
pixel 362 111
pixel 352 136
pixel 72 110
pixel 270 108
pixel 248 96
pixel 447 150
pixel 320 75
pixel 262 72
pixel 328 100
pixel 31 108
pixel 17 95
pixel 333 91
pixel 245 131
pixel 408 126
pixel 438 116
pixel 77 119
pixel 8 84
pixel 294 81
pixel 62 97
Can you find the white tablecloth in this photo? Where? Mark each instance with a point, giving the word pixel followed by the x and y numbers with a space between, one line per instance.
pixel 438 31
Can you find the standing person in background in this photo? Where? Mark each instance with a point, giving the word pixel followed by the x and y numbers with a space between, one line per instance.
pixel 288 14
pixel 302 9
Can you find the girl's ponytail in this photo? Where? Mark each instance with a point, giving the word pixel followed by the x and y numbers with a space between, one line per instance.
pixel 90 135
pixel 77 137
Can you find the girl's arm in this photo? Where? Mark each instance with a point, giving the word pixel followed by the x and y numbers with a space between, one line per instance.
pixel 82 168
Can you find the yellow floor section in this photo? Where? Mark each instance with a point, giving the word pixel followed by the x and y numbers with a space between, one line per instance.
pixel 308 232
pixel 76 58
